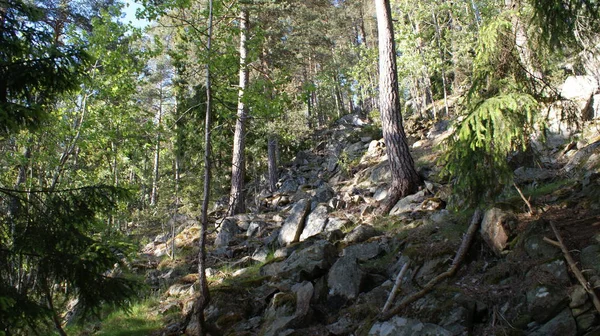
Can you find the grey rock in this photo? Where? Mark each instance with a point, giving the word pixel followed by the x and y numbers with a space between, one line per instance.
pixel 294 224
pixel 409 203
pixel 345 278
pixel 544 302
pixel 381 193
pixel 324 193
pixel 315 222
pixel 552 272
pixel 537 248
pixel 227 231
pixel 288 187
pixel 342 326
pixel 364 251
pixel 401 326
pixel 562 324
pixel 590 259
pixel 335 223
pixel 432 268
pixel 578 296
pixel 528 175
pixel 496 228
pixel 304 292
pixel 361 233
pixel 255 229
pixel 586 321
pixel 304 264
pixel 380 173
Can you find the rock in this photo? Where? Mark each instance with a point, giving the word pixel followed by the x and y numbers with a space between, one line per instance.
pixel 361 233
pixel 586 321
pixel 579 87
pixel 544 302
pixel 342 326
pixel 304 292
pixel 590 259
pixel 537 248
pixel 431 268
pixel 551 273
pixel 335 223
pixel 315 222
pixel 255 229
pixel 527 175
pixel 323 194
pixel 288 187
pixel 562 324
pixel 380 173
pixel 496 228
pixel 294 224
pixel 578 296
pixel 227 231
pixel 305 264
pixel 345 278
pixel 401 326
pixel 364 251
pixel 409 203
pixel 582 156
pixel 180 290
pixel 381 193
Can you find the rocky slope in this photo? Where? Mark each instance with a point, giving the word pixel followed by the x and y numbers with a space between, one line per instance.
pixel 311 259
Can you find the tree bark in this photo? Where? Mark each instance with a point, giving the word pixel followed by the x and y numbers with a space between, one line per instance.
pixel 204 297
pixel 405 179
pixel 272 162
pixel 238 164
pixel 155 175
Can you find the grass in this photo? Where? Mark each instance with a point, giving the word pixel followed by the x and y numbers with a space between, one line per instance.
pixel 140 320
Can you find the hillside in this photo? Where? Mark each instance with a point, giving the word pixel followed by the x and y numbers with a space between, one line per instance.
pixel 312 259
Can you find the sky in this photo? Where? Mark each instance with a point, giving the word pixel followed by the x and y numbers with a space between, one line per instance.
pixel 130 7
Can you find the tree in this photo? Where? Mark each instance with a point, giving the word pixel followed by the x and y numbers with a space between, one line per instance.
pixel 405 179
pixel 238 164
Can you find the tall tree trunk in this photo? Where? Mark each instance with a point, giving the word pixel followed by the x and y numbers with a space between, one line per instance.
pixel 405 179
pixel 272 162
pixel 438 38
pixel 238 164
pixel 155 176
pixel 204 297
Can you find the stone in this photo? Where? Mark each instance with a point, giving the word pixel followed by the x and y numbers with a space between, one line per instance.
pixel 554 272
pixel 342 326
pixel 304 292
pixel 562 324
pixel 579 87
pixel 537 248
pixel 288 187
pixel 544 302
pixel 335 223
pixel 361 233
pixel 431 268
pixel 364 251
pixel 381 173
pixel 381 193
pixel 255 229
pixel 496 228
pixel 227 231
pixel 323 194
pixel 409 203
pixel 315 222
pixel 294 224
pixel 525 175
pixel 586 321
pixel 345 278
pixel 578 296
pixel 590 259
pixel 180 290
pixel 304 264
pixel 401 326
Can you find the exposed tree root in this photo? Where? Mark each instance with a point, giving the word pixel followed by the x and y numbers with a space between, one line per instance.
pixel 458 259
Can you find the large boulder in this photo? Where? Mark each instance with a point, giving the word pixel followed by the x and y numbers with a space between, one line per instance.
pixel 316 222
pixel 562 324
pixel 545 301
pixel 227 231
pixel 304 264
pixel 409 203
pixel 294 224
pixel 496 229
pixel 361 233
pixel 401 326
pixel 590 259
pixel 345 278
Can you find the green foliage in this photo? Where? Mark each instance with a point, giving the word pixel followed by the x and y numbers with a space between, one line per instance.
pixel 56 238
pixel 34 67
pixel 500 116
